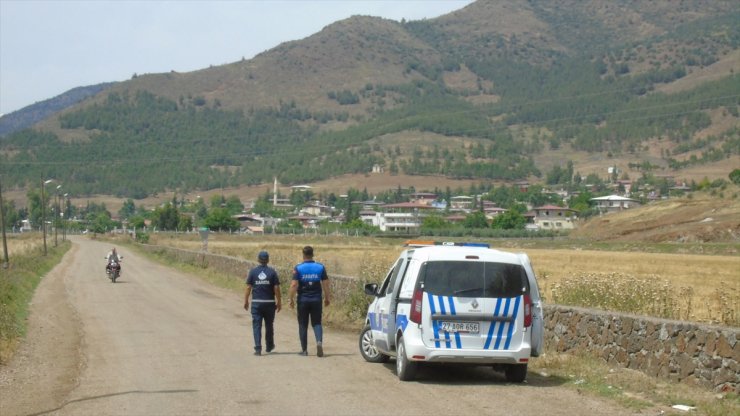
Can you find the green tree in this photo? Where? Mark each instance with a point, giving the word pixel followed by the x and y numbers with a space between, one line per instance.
pixel 219 219
pixel 166 217
pixel 102 222
pixel 11 216
pixel 290 226
pixel 475 219
pixel 34 206
pixel 137 222
pixel 358 224
pixel 432 222
pixel 735 176
pixel 582 202
pixel 509 220
pixel 218 201
pixel 185 223
pixel 201 210
pixel 128 209
pixel 234 205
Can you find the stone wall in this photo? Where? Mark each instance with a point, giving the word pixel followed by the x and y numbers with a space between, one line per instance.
pixel 681 351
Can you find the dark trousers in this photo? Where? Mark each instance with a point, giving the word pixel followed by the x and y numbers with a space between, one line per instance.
pixel 266 311
pixel 308 310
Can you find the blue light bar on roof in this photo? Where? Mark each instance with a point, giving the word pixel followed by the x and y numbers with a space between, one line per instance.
pixel 425 243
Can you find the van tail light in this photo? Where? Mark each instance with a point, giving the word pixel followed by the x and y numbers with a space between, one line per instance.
pixel 416 304
pixel 527 311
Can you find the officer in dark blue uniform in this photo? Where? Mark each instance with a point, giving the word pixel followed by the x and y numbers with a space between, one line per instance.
pixel 264 286
pixel 310 282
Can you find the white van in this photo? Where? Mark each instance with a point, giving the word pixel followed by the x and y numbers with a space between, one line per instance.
pixel 455 303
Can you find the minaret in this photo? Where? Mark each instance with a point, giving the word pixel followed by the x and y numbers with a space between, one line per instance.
pixel 274 193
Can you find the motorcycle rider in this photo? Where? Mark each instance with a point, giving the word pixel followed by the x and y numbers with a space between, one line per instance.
pixel 111 257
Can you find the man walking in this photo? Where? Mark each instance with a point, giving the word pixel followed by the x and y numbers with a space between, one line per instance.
pixel 264 286
pixel 310 282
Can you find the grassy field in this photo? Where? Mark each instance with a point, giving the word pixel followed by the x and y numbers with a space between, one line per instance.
pixel 702 288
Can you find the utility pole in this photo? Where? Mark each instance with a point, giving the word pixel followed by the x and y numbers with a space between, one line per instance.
pixel 2 225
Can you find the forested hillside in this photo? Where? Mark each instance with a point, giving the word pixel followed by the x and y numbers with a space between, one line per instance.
pixel 505 84
pixel 34 113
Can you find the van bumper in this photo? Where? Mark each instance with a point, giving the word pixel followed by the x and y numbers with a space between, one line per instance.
pixel 418 351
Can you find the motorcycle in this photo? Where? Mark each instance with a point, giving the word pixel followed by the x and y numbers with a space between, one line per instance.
pixel 114 269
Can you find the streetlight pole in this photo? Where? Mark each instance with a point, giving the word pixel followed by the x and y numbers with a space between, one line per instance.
pixel 43 209
pixel 64 218
pixel 56 215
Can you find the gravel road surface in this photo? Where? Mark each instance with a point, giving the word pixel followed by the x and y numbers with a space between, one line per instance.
pixel 161 342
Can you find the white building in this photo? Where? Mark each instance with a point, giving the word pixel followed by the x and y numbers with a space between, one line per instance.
pixel 613 203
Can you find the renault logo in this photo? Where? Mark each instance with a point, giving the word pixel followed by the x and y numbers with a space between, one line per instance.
pixel 474 304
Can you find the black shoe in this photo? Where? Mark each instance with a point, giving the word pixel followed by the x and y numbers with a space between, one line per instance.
pixel 270 348
pixel 303 353
pixel 319 350
pixel 257 352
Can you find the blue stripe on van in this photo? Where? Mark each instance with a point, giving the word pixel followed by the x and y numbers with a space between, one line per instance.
pixel 501 327
pixel 444 312
pixel 493 324
pixel 513 323
pixel 458 342
pixel 430 297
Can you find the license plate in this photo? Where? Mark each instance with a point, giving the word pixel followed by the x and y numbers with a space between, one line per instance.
pixel 456 326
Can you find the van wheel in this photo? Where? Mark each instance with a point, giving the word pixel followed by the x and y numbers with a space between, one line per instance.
pixel 367 347
pixel 405 368
pixel 516 373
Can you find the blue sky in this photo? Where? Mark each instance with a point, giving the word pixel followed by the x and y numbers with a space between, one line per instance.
pixel 48 47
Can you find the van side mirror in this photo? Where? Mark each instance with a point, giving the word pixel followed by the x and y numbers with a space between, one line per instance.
pixel 371 289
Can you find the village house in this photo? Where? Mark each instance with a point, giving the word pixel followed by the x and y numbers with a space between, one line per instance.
pixel 461 203
pixel 613 203
pixel 491 212
pixel 405 217
pixel 316 209
pixel 552 217
pixel 423 197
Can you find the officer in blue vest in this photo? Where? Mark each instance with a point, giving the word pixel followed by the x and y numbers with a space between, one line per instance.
pixel 264 287
pixel 310 282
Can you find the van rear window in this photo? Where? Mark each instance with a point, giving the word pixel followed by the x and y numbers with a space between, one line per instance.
pixel 474 279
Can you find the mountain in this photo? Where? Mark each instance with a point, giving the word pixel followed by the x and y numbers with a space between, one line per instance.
pixel 34 113
pixel 496 91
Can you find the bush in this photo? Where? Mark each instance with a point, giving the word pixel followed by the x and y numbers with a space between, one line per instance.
pixel 142 238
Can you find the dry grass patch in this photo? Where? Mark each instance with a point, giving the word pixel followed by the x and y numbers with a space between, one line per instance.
pixel 26 243
pixel 679 286
pixel 699 288
pixel 631 388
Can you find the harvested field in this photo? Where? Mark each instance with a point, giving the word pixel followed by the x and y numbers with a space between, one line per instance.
pixel 712 281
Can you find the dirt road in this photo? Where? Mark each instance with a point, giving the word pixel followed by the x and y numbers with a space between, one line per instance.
pixel 161 342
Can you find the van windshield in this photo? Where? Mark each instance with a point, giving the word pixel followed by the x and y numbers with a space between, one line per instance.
pixel 474 279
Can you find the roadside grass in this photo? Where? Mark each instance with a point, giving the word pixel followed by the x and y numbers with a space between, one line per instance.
pixel 630 388
pixel 17 285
